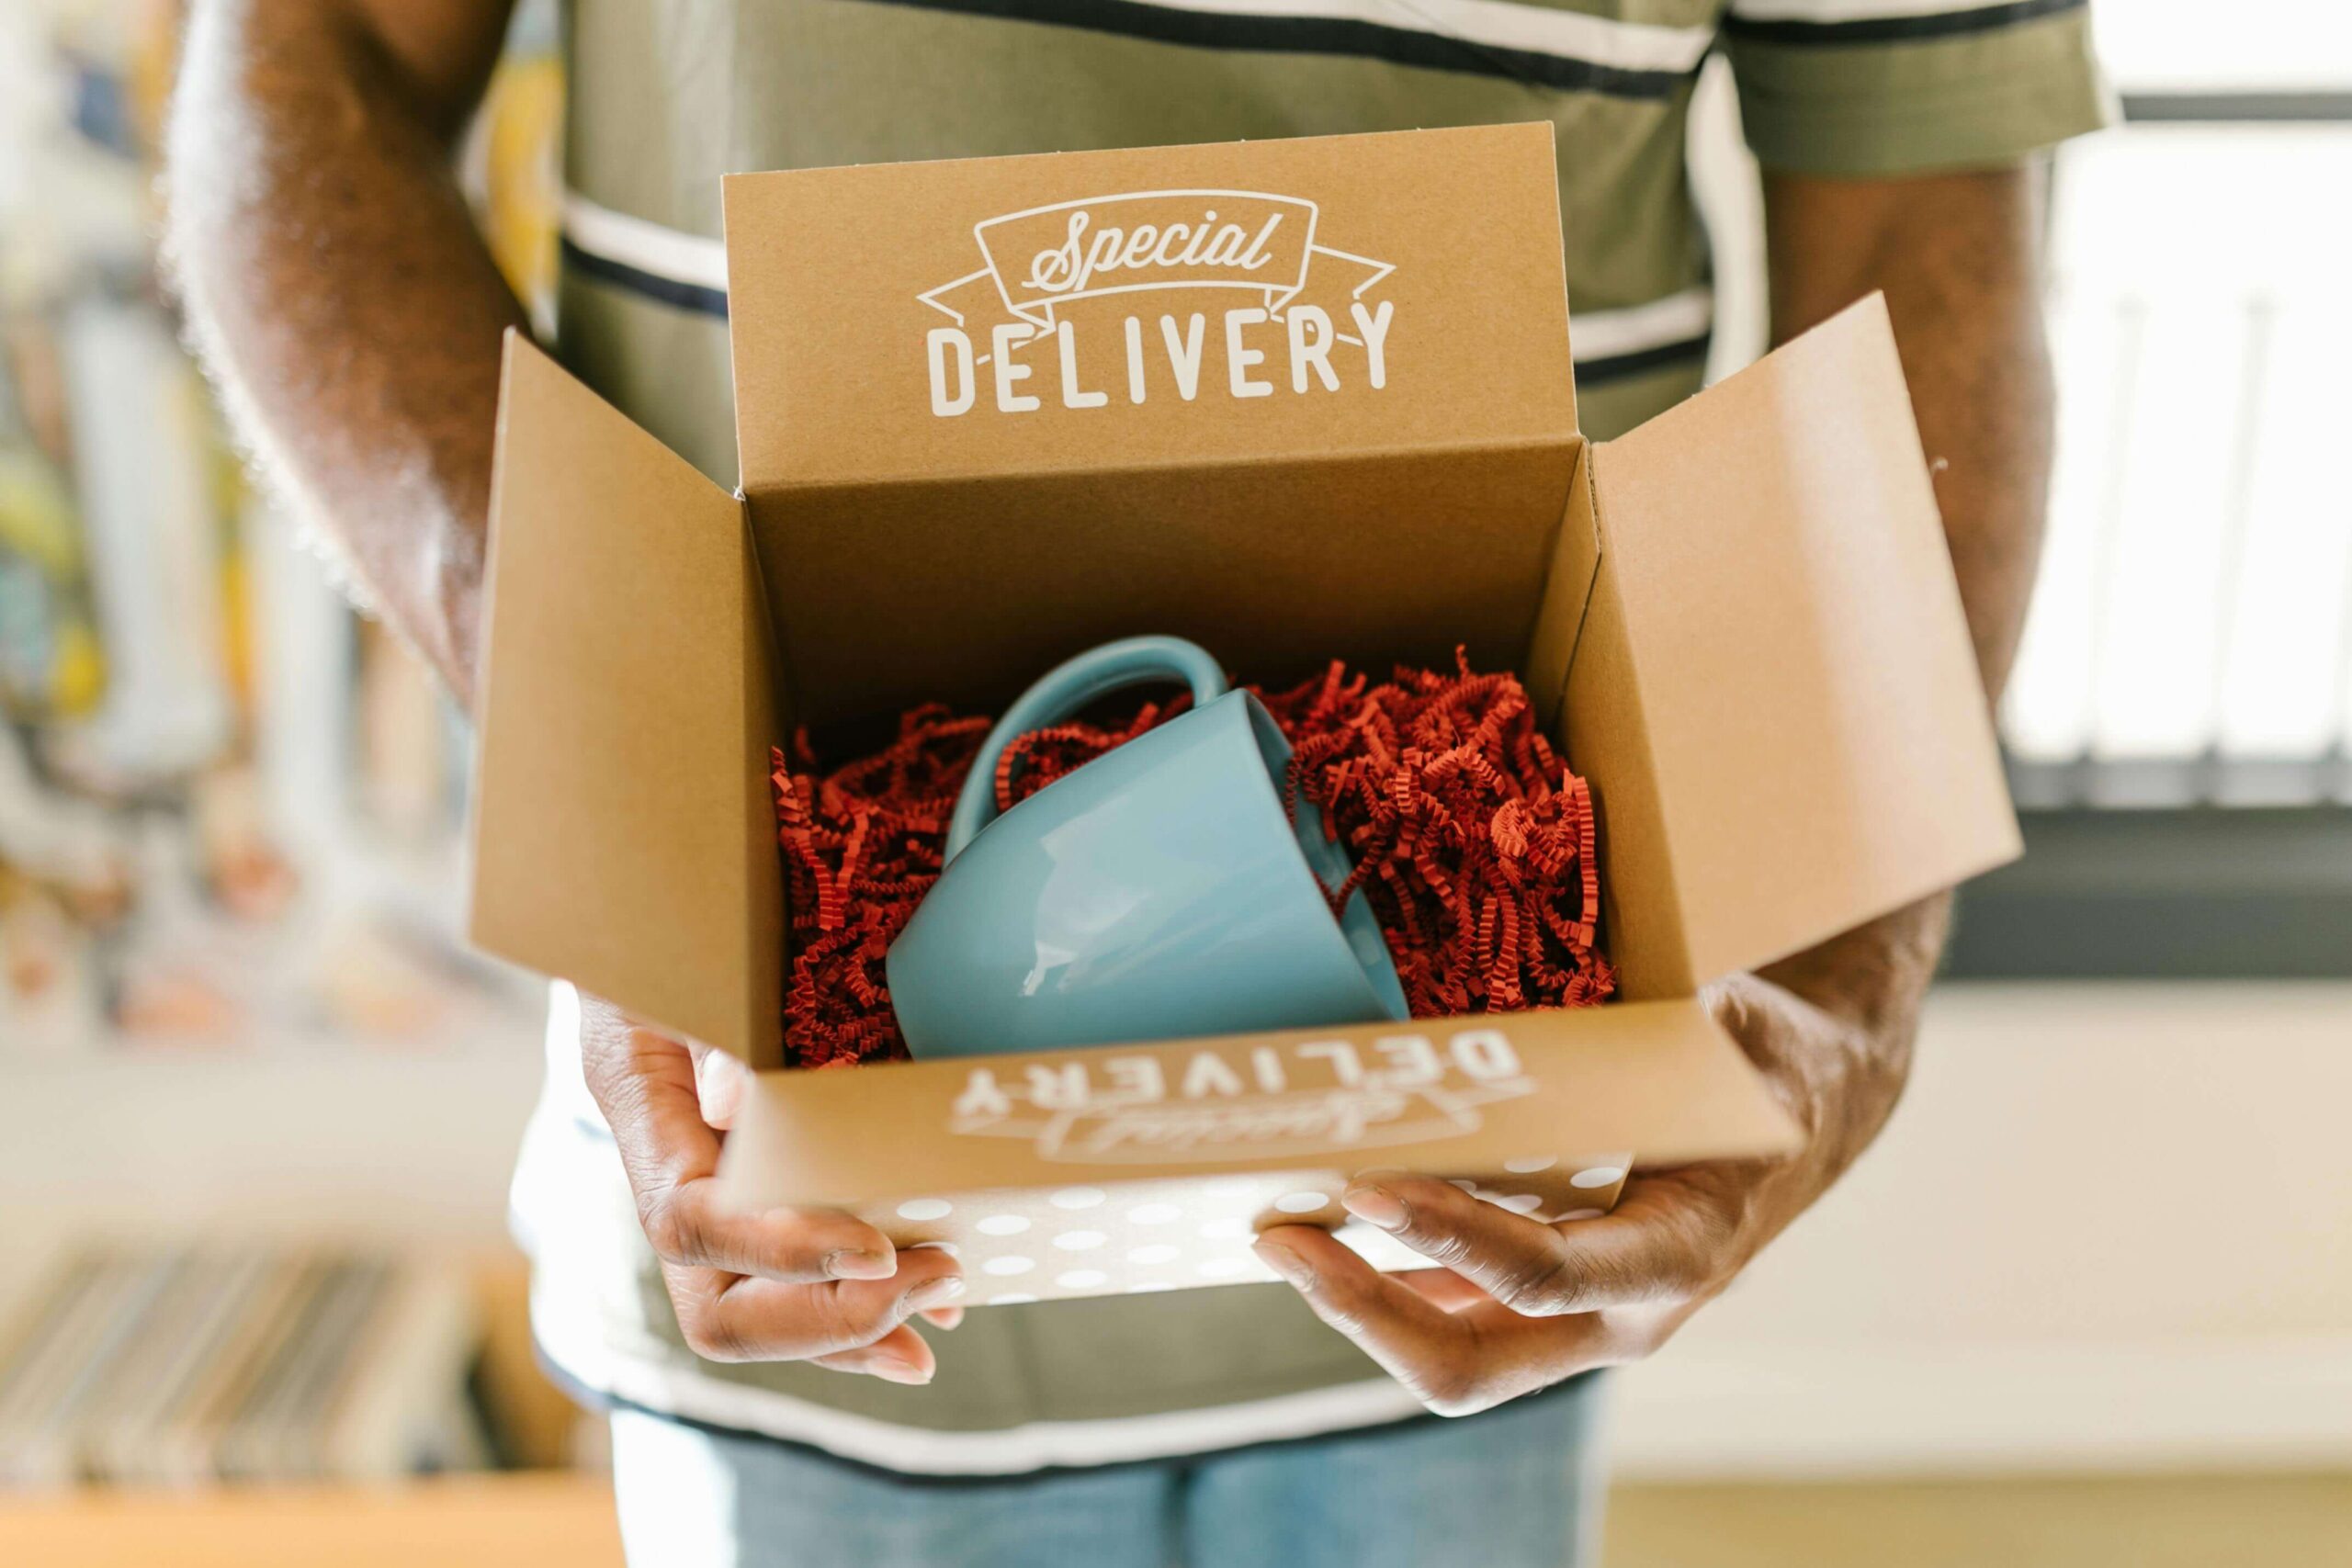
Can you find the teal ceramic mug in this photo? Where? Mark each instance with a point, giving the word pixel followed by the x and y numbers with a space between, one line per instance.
pixel 1160 891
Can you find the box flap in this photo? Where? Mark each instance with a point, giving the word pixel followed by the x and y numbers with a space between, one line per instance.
pixel 1821 751
pixel 622 835
pixel 1400 291
pixel 993 411
pixel 1439 1095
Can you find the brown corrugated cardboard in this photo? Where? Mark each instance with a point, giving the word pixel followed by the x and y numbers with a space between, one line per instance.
pixel 837 279
pixel 1393 497
pixel 1741 619
pixel 623 831
pixel 1819 743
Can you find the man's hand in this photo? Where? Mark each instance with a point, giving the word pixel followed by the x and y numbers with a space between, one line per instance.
pixel 787 1285
pixel 1518 1305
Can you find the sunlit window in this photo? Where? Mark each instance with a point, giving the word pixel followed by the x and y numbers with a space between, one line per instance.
pixel 2192 639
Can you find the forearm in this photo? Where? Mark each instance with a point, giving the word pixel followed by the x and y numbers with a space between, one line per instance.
pixel 339 294
pixel 1956 256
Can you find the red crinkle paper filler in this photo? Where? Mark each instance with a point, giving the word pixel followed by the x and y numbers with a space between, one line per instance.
pixel 1472 842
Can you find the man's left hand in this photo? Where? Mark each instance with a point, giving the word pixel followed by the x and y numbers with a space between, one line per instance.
pixel 1516 1304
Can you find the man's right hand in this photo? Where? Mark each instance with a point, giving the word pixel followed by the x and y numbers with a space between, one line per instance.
pixel 785 1285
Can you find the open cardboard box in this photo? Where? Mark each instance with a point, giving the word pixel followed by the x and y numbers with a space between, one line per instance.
pixel 1342 424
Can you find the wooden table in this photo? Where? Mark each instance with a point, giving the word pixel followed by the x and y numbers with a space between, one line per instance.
pixel 559 1521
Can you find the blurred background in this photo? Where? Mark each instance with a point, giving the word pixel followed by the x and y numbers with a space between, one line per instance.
pixel 2089 1300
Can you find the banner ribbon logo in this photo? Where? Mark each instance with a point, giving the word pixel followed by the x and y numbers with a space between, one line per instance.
pixel 1044 257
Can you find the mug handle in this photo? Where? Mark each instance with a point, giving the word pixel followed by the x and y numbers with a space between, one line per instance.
pixel 1063 690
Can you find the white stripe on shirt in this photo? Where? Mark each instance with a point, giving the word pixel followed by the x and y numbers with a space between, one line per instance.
pixel 647 247
pixel 695 259
pixel 1498 23
pixel 570 1341
pixel 1607 334
pixel 1829 11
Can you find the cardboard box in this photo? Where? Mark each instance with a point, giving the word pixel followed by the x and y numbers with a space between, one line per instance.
pixel 993 413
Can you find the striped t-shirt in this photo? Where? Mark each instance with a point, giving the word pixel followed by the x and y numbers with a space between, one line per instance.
pixel 667 95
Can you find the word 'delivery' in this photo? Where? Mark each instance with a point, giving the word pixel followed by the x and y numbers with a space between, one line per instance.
pixel 1180 356
pixel 1012 350
pixel 1228 1102
pixel 1389 1062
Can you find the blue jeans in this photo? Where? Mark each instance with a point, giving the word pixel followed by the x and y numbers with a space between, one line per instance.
pixel 1517 1487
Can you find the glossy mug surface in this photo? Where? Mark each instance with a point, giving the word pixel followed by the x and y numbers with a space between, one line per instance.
pixel 1160 891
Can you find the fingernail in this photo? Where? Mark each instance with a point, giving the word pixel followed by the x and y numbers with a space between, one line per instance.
pixel 720 1091
pixel 1286 1263
pixel 1374 1207
pixel 850 1263
pixel 889 1368
pixel 935 1292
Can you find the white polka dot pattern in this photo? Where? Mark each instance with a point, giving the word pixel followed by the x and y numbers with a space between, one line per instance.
pixel 1153 1234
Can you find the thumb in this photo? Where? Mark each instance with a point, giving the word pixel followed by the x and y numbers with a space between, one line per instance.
pixel 720 1083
